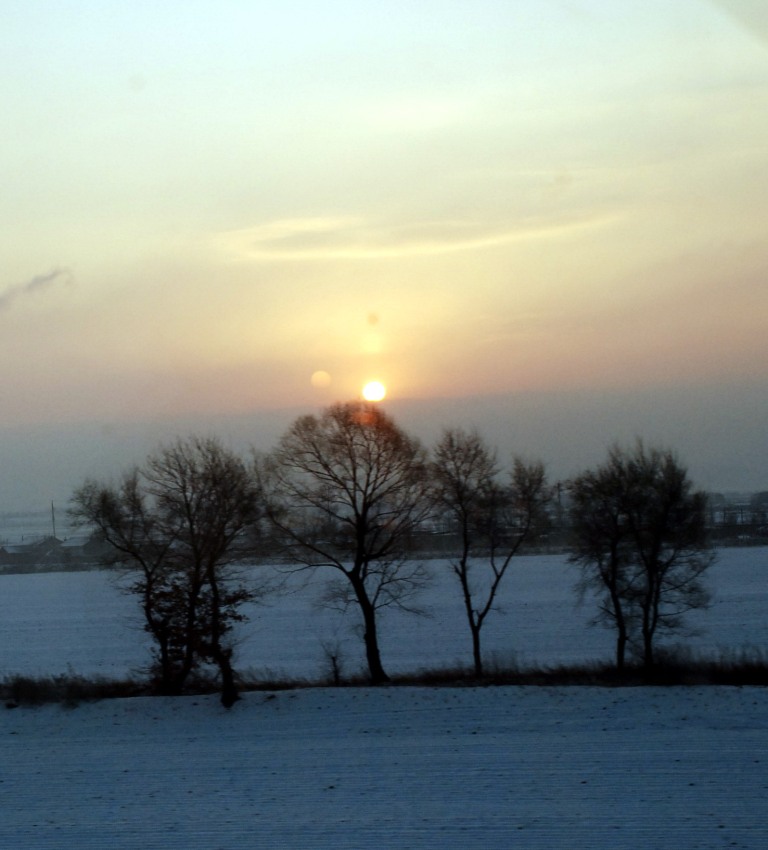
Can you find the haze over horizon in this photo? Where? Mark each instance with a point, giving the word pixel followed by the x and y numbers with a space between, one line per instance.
pixel 546 219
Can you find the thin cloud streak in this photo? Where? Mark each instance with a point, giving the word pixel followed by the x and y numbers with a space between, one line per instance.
pixel 38 283
pixel 351 239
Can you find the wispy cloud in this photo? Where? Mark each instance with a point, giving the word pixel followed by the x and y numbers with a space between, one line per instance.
pixel 328 238
pixel 38 283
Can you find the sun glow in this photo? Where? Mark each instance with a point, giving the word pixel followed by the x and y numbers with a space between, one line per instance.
pixel 374 391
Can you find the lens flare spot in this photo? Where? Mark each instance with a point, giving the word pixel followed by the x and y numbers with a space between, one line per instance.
pixel 320 379
pixel 374 391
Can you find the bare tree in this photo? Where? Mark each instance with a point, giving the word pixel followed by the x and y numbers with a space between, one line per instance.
pixel 640 538
pixel 492 520
pixel 602 548
pixel 179 523
pixel 346 490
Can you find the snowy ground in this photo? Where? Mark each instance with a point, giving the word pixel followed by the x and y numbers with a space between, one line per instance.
pixel 393 768
pixel 383 768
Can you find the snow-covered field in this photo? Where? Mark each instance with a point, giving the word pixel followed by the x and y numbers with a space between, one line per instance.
pixel 59 622
pixel 390 767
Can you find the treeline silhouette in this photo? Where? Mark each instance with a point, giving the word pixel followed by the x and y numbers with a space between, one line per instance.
pixel 350 493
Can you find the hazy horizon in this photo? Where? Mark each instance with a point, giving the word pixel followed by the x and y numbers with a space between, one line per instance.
pixel 540 216
pixel 719 437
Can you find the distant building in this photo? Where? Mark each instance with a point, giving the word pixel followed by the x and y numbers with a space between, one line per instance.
pixel 49 554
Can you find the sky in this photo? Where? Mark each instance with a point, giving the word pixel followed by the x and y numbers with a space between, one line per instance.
pixel 545 218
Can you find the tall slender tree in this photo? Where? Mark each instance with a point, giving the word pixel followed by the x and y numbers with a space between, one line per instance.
pixel 492 520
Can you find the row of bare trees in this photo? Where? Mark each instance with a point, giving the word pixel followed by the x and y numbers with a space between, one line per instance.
pixel 349 490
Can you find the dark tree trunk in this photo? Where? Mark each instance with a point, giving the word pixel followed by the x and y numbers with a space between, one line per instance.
pixel 650 618
pixel 648 657
pixel 222 656
pixel 476 654
pixel 372 654
pixel 474 619
pixel 375 668
pixel 229 691
pixel 165 685
pixel 621 649
pixel 612 580
pixel 622 637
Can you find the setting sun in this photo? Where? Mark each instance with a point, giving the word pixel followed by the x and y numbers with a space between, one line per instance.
pixel 374 391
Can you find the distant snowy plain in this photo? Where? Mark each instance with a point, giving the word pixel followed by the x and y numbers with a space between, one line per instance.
pixel 388 767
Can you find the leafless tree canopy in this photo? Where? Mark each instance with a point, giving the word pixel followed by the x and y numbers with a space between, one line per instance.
pixel 180 522
pixel 640 540
pixel 346 490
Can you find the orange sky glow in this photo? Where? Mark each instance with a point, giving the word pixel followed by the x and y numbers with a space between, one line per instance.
pixel 227 209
